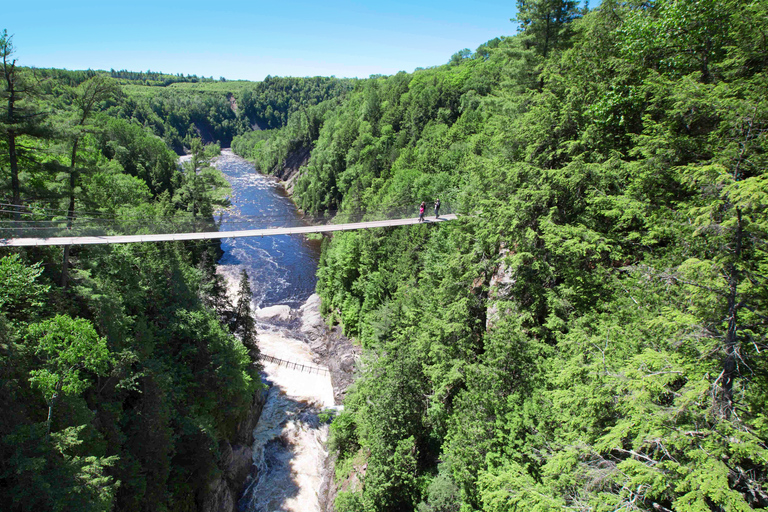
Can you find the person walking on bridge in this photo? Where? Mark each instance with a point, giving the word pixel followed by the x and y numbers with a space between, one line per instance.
pixel 437 208
pixel 422 207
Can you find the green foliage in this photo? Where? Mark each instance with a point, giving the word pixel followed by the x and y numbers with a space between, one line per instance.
pixel 66 347
pixel 21 294
pixel 592 334
pixel 47 473
pixel 133 361
pixel 546 24
pixel 218 112
pixel 202 187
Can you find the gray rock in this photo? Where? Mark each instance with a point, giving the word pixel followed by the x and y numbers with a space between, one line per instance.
pixel 280 313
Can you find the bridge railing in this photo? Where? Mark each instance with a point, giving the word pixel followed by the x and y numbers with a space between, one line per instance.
pixel 38 225
pixel 100 227
pixel 295 366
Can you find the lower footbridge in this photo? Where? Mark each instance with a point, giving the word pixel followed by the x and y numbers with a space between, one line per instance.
pixel 176 237
pixel 295 366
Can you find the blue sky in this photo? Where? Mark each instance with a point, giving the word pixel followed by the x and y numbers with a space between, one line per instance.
pixel 249 40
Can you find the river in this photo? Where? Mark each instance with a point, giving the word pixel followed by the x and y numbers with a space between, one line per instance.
pixel 289 448
pixel 282 268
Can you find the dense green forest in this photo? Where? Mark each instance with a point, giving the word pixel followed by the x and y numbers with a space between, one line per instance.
pixel 218 111
pixel 592 334
pixel 123 369
pixel 178 108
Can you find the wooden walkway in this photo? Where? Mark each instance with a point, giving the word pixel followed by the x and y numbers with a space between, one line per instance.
pixel 296 366
pixel 175 237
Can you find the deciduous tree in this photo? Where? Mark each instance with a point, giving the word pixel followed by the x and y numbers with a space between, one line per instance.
pixel 67 347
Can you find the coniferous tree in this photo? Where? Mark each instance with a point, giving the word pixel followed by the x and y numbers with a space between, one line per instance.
pixel 243 323
pixel 547 22
pixel 22 117
pixel 213 291
pixel 87 97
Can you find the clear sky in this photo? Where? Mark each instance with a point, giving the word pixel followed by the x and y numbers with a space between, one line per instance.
pixel 240 39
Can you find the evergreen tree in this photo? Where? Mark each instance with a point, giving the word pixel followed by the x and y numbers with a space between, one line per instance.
pixel 86 99
pixel 22 117
pixel 243 323
pixel 546 24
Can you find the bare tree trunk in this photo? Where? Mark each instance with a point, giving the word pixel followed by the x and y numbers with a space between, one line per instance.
pixel 730 364
pixel 51 404
pixel 70 213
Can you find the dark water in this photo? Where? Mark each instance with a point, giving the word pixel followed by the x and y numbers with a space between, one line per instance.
pixel 282 268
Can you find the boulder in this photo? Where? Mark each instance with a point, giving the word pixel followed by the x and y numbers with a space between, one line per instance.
pixel 219 497
pixel 239 466
pixel 280 313
pixel 312 322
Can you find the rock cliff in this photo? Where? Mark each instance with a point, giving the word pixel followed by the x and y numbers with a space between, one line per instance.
pixel 289 169
pixel 235 465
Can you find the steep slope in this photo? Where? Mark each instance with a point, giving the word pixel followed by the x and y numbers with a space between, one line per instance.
pixel 614 183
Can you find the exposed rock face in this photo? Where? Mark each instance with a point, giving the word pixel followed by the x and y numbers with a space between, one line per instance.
pixel 235 464
pixel 218 497
pixel 232 102
pixel 334 350
pixel 500 289
pixel 312 323
pixel 339 355
pixel 288 170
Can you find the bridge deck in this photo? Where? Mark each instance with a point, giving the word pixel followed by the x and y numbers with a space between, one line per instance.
pixel 126 239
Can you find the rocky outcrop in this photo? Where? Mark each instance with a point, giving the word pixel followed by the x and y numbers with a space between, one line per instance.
pixel 289 169
pixel 235 463
pixel 499 289
pixel 334 350
pixel 312 322
pixel 339 355
pixel 232 102
pixel 278 313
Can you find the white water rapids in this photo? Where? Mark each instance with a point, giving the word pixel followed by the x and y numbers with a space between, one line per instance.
pixel 289 441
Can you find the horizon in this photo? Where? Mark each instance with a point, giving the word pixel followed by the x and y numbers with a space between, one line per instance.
pixel 302 39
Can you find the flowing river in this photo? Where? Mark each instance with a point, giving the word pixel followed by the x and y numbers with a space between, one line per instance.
pixel 288 451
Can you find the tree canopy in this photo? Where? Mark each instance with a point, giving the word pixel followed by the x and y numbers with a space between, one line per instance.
pixel 592 335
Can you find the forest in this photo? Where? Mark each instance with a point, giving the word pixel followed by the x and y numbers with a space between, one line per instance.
pixel 126 371
pixel 591 335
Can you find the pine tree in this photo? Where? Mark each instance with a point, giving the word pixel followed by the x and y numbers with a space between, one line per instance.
pixel 20 115
pixel 243 323
pixel 212 290
pixel 547 21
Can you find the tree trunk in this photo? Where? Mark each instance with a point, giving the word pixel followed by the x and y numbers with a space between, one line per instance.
pixel 54 398
pixel 730 364
pixel 15 186
pixel 70 213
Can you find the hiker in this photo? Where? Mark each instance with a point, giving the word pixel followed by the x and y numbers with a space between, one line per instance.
pixel 437 208
pixel 422 207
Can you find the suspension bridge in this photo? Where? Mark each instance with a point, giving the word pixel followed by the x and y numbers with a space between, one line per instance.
pixel 212 235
